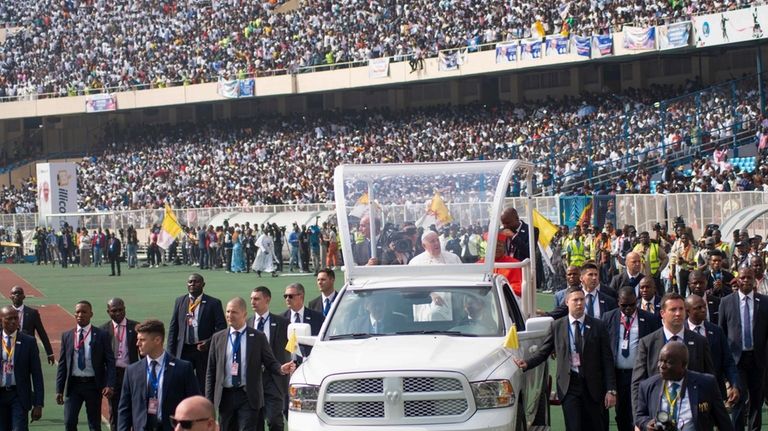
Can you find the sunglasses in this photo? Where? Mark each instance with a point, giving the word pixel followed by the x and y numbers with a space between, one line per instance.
pixel 633 304
pixel 186 424
pixel 290 296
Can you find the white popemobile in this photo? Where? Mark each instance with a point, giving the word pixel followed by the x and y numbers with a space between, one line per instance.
pixel 422 347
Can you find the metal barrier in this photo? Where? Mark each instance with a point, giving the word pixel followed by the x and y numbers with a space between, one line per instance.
pixel 643 211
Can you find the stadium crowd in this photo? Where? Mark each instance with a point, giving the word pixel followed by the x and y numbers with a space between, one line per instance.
pixel 71 47
pixel 654 285
pixel 281 160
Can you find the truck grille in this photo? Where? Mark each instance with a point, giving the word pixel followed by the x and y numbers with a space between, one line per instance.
pixel 396 400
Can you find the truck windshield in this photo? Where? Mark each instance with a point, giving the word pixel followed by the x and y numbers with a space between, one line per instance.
pixel 456 311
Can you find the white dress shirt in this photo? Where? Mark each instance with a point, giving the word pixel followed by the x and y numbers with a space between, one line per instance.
pixel 265 316
pixel 596 307
pixel 572 339
pixel 692 326
pixel 668 335
pixel 21 315
pixel 162 364
pixel 11 347
pixel 121 354
pixel 88 371
pixel 300 313
pixel 684 414
pixel 751 322
pixel 634 338
pixel 230 342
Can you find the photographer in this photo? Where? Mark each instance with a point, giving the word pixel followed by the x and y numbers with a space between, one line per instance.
pixel 672 399
pixel 398 251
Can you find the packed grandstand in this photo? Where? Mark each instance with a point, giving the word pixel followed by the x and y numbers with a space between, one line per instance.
pixel 72 47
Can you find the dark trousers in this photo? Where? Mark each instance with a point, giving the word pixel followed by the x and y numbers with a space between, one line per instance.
pixel 624 421
pixel 746 414
pixel 115 400
pixel 279 255
pixel 236 413
pixel 115 261
pixel 199 362
pixel 13 417
pixel 228 258
pixel 273 404
pixel 203 255
pixel 82 390
pixel 580 411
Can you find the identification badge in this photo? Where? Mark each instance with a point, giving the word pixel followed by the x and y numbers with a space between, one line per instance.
pixel 194 323
pixel 7 368
pixel 624 344
pixel 152 406
pixel 235 368
pixel 190 319
pixel 575 359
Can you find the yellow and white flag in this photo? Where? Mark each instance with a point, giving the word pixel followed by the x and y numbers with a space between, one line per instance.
pixel 437 213
pixel 292 346
pixel 170 228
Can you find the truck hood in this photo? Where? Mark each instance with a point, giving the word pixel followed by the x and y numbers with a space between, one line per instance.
pixel 474 357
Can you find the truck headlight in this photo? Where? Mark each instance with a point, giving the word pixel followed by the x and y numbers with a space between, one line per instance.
pixel 492 394
pixel 303 398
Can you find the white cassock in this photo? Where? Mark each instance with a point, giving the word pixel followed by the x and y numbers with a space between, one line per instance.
pixel 265 257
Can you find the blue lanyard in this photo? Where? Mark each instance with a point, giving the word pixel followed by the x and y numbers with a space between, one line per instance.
pixel 235 348
pixel 155 383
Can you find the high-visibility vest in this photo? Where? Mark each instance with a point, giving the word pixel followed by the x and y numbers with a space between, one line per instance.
pixel 576 253
pixel 653 258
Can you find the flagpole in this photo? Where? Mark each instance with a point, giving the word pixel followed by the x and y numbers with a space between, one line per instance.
pixel 372 218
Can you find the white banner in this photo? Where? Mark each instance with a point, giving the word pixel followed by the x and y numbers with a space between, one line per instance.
pixel 57 192
pixel 730 27
pixel 506 52
pixel 639 39
pixel 378 67
pixel 452 60
pixel 672 36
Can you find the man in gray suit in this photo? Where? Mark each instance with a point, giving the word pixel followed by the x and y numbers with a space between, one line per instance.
pixel 233 380
pixel 673 329
pixel 748 343
pixel 275 328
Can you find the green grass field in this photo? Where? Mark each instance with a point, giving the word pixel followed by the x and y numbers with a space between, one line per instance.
pixel 150 293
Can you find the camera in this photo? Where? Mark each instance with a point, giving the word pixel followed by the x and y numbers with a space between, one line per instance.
pixel 664 422
pixel 657 226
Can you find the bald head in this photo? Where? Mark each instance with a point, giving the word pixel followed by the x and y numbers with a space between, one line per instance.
pixel 17 296
pixel 696 308
pixel 673 361
pixel 634 263
pixel 197 409
pixel 10 319
pixel 510 219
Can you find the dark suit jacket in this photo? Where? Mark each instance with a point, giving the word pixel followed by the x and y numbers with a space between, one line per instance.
pixel 278 338
pixel 722 360
pixel 596 361
pixel 607 303
pixel 727 279
pixel 258 353
pixel 179 382
pixel 707 406
pixel 656 305
pixel 646 324
pixel 130 333
pixel 646 363
pixel 713 306
pixel 210 321
pixel 621 280
pixel 113 252
pixel 28 372
pixel 317 303
pixel 102 359
pixel 31 324
pixel 311 317
pixel 730 321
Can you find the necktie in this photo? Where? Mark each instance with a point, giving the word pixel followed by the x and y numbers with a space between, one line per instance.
pixel 632 281
pixel 747 324
pixel 674 387
pixel 698 330
pixel 649 307
pixel 80 351
pixel 625 351
pixel 577 337
pixel 236 359
pixel 260 326
pixel 7 377
pixel 591 305
pixel 674 338
pixel 327 307
pixel 296 318
pixel 153 383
